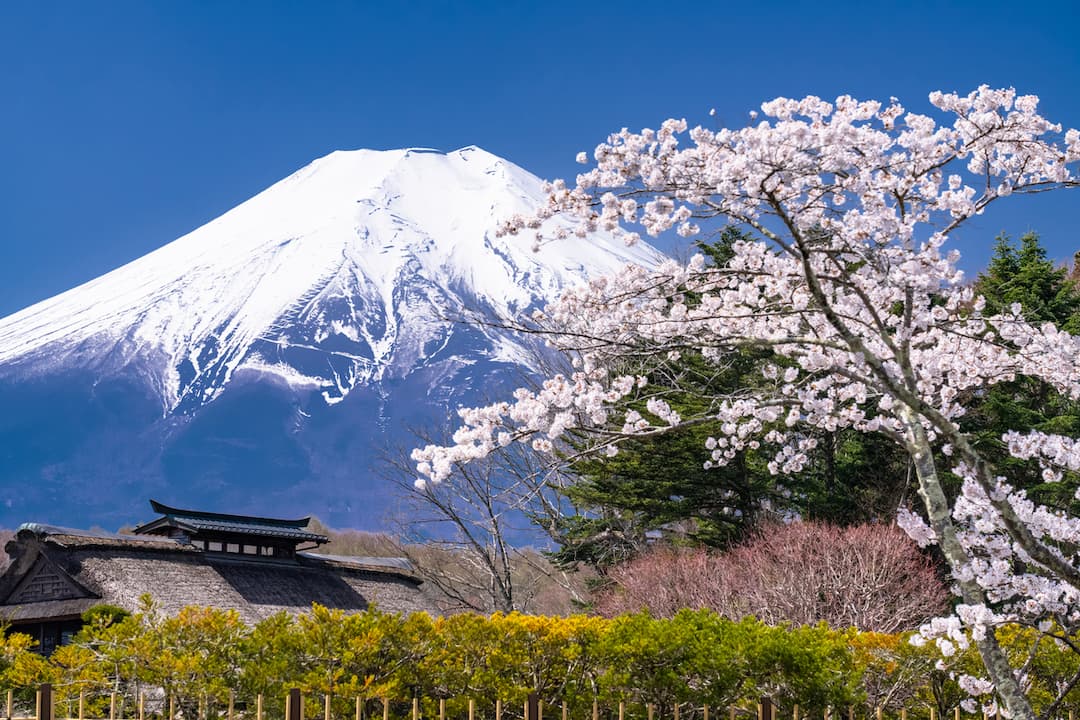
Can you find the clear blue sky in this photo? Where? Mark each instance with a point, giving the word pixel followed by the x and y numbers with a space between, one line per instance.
pixel 126 124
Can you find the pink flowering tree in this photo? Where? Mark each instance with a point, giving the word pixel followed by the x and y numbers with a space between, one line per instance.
pixel 855 296
pixel 867 576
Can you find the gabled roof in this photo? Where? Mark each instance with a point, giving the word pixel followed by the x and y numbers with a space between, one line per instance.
pixel 50 609
pixel 100 567
pixel 195 521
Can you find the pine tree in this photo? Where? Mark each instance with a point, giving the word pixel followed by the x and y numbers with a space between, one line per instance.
pixel 1045 293
pixel 1025 275
pixel 657 488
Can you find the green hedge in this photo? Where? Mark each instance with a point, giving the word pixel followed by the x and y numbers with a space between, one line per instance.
pixel 697 658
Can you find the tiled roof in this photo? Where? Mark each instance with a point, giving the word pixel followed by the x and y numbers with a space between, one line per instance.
pixel 199 521
pixel 250 528
pixel 203 515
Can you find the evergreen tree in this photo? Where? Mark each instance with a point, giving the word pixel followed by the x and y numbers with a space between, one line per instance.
pixel 1025 275
pixel 1045 293
pixel 657 487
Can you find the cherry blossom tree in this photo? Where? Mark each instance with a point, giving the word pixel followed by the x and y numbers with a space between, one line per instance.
pixel 854 292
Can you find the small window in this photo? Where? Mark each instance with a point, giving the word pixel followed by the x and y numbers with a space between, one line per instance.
pixel 232 547
pixel 200 544
pixel 268 550
pixel 213 545
pixel 251 549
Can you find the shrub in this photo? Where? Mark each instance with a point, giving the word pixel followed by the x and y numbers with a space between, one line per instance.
pixel 871 577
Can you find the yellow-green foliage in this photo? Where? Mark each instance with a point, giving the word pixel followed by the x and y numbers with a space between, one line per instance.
pixel 202 655
pixel 20 667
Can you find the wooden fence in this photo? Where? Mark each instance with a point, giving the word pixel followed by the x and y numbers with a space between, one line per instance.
pixel 534 709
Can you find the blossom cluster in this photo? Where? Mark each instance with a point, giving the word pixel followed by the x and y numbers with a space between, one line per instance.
pixel 853 290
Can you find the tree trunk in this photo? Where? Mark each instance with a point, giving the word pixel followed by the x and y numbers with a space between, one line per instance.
pixel 937 509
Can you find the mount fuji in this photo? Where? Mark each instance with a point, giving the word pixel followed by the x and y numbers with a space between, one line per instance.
pixel 263 362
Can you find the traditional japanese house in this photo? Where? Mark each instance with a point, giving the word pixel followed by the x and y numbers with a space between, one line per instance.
pixel 254 565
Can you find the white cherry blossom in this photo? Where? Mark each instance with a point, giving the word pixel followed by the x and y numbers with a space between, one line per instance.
pixel 853 288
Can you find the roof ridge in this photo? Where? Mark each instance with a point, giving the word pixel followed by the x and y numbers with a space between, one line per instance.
pixel 228 517
pixel 47 530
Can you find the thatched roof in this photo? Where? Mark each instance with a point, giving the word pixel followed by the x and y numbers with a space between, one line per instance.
pixel 49 609
pixel 72 538
pixel 58 572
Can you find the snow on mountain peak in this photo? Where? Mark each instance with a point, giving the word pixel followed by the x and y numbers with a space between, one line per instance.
pixel 340 274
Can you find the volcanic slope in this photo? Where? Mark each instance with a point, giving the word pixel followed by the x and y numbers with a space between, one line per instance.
pixel 263 362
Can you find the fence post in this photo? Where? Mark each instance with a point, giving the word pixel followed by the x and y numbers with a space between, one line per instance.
pixel 472 709
pixel 385 708
pixel 232 704
pixel 674 712
pixel 326 707
pixel 649 711
pixel 705 713
pixel 44 702
pixel 172 707
pixel 10 703
pixel 795 713
pixel 442 708
pixel 293 708
pixel 532 707
pixel 596 710
pixel 498 708
pixel 112 706
pixel 258 707
pixel 359 709
pixel 766 708
pixel 564 715
pixel 82 704
pixel 415 708
pixel 957 713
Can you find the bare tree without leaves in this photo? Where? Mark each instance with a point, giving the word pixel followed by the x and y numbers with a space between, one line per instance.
pixel 475 536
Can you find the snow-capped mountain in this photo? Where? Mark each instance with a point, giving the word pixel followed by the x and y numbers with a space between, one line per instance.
pixel 263 358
